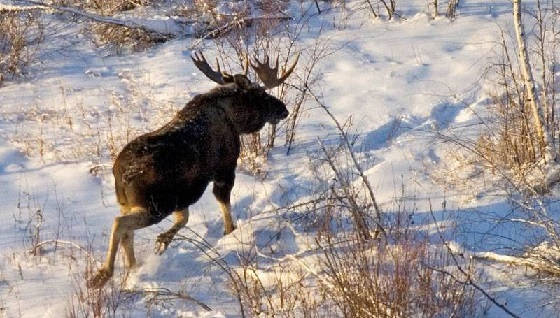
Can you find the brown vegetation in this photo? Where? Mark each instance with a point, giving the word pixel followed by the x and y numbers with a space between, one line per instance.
pixel 21 33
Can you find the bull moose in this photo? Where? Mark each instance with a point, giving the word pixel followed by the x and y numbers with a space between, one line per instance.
pixel 165 171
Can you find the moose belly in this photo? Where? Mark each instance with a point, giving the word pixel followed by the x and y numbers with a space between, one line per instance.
pixel 161 199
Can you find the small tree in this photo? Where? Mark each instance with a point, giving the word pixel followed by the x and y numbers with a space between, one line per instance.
pixel 545 140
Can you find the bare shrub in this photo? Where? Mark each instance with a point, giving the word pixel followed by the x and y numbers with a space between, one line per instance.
pixel 21 33
pixel 103 302
pixel 121 38
pixel 112 6
pixel 512 140
pixel 511 148
pixel 104 7
pixel 400 275
pixel 509 156
pixel 394 271
pixel 117 37
pixel 280 290
pixel 377 6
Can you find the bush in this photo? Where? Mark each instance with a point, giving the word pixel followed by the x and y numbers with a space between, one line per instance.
pixel 400 275
pixel 21 33
pixel 121 38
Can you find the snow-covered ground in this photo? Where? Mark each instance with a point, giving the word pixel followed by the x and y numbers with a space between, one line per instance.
pixel 400 81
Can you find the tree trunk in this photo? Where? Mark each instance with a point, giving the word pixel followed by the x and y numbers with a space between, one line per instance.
pixel 545 141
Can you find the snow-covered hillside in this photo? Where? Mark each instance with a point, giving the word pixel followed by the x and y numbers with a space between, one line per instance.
pixel 398 86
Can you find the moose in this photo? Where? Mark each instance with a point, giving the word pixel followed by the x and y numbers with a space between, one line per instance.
pixel 165 171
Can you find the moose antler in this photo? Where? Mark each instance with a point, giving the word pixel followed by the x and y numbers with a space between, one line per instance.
pixel 269 75
pixel 217 76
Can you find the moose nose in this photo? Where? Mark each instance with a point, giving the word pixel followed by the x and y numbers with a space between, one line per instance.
pixel 285 113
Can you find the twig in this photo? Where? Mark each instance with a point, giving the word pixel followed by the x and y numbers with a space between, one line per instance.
pixel 235 22
pixel 357 213
pixel 167 293
pixel 469 279
pixel 205 247
pixel 62 242
pixel 357 165
pixel 97 17
pixel 517 261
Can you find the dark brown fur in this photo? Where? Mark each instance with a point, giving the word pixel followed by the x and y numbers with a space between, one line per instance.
pixel 167 170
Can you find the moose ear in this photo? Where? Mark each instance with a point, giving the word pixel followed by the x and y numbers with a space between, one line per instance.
pixel 242 81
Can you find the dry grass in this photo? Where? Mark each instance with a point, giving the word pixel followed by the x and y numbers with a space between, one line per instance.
pixel 280 290
pixel 66 129
pixel 118 38
pixel 109 302
pixel 113 6
pixel 509 141
pixel 104 7
pixel 21 33
pixel 401 275
pixel 508 151
pixel 121 39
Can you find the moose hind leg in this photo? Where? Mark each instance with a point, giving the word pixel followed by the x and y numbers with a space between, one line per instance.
pixel 222 192
pixel 164 239
pixel 127 242
pixel 123 224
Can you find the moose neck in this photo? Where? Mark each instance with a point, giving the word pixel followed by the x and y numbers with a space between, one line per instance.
pixel 244 116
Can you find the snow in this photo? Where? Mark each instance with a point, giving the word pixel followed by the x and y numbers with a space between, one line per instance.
pixel 400 81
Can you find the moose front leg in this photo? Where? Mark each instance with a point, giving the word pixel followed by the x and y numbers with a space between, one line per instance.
pixel 164 239
pixel 222 191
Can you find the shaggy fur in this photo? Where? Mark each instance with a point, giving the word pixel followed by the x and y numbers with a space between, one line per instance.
pixel 167 170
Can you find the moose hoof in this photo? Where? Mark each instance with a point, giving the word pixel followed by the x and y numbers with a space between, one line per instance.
pixel 162 242
pixel 100 279
pixel 130 271
pixel 228 231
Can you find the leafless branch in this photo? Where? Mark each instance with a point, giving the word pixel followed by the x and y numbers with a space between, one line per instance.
pixel 468 277
pixel 355 162
pixel 226 28
pixel 99 18
pixel 164 292
pixel 61 242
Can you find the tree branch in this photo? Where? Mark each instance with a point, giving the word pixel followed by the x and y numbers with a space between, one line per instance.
pixel 164 292
pixel 163 28
pixel 468 277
